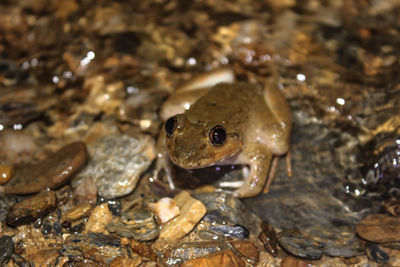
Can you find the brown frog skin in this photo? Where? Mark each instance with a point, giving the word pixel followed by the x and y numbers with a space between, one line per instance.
pixel 237 123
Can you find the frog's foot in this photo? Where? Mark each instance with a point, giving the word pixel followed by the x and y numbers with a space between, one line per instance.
pixel 259 160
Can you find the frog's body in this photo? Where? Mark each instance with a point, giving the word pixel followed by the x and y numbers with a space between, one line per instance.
pixel 256 122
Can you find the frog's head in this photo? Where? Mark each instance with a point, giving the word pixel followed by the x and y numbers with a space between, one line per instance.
pixel 192 145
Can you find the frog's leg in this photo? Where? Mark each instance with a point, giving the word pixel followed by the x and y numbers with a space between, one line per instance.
pixel 280 108
pixel 258 157
pixel 162 160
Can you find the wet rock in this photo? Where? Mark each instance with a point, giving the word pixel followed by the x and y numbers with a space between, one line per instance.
pixel 115 206
pixel 5 173
pixel 224 209
pixel 6 203
pixel 131 260
pixel 6 249
pixel 139 225
pixel 86 191
pixel 186 251
pixel 165 209
pixel 298 245
pixel 379 228
pixel 291 261
pixel 269 238
pixel 392 206
pixel 116 163
pixel 43 257
pixel 78 212
pixel 107 247
pixel 192 211
pixel 146 232
pixel 21 261
pixel 143 250
pixel 17 113
pixel 54 171
pixel 376 253
pixel 236 231
pixel 247 249
pixel 99 218
pixel 266 260
pixel 224 258
pixel 30 209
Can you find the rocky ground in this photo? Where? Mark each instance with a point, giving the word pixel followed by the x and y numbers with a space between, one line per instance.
pixel 81 86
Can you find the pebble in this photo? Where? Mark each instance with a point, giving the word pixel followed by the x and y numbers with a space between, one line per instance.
pixel 291 261
pixel 392 206
pixel 105 246
pixel 165 209
pixel 139 225
pixel 236 231
pixel 116 163
pixel 376 253
pixel 379 228
pixel 99 218
pixel 125 260
pixel 298 245
pixel 6 249
pixel 269 238
pixel 86 191
pixel 143 250
pixel 185 251
pixel 78 212
pixel 5 173
pixel 192 211
pixel 52 172
pixel 247 249
pixel 224 258
pixel 30 209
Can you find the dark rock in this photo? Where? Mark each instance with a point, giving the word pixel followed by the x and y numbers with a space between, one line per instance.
pixel 269 238
pixel 30 209
pixel 21 261
pixel 6 249
pixel 107 246
pixel 53 172
pixel 18 113
pixel 376 253
pixel 115 207
pixel 298 245
pixel 236 231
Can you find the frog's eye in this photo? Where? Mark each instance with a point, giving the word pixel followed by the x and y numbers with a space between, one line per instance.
pixel 217 135
pixel 170 126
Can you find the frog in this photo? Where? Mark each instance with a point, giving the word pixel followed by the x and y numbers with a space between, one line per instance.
pixel 228 123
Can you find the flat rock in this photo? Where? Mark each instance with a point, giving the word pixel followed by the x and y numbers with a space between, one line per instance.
pixel 379 228
pixel 224 258
pixel 192 210
pixel 116 163
pixel 52 172
pixel 99 218
pixel 6 249
pixel 30 209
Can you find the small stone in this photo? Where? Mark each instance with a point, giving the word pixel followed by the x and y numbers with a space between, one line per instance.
pixel 43 257
pixel 86 191
pixel 291 261
pixel 376 253
pixel 392 206
pixel 5 173
pixel 192 210
pixel 379 228
pixel 52 172
pixel 269 238
pixel 165 209
pixel 6 249
pixel 125 260
pixel 247 249
pixel 78 212
pixel 140 226
pixel 100 217
pixel 116 163
pixel 30 209
pixel 105 247
pixel 235 231
pixel 225 258
pixel 143 250
pixel 298 245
